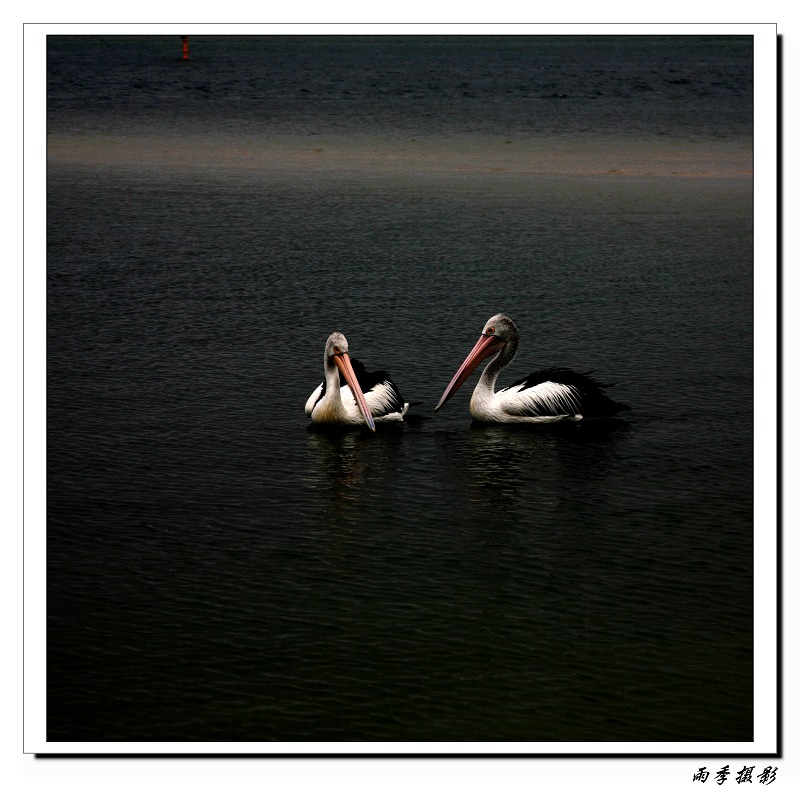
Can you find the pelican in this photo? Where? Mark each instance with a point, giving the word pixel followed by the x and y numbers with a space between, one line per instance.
pixel 367 397
pixel 551 395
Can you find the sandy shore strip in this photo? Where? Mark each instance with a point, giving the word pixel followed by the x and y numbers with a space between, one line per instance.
pixel 449 155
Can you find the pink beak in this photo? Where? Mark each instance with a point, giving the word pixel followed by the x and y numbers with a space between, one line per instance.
pixel 486 346
pixel 346 368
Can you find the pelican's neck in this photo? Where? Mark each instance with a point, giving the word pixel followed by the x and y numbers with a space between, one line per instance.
pixel 496 365
pixel 332 383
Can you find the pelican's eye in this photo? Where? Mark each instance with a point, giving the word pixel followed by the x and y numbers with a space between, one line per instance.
pixel 337 349
pixel 490 330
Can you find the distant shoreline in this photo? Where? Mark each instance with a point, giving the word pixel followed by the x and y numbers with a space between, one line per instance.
pixel 445 155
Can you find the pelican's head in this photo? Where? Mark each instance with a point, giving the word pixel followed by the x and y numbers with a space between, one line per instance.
pixel 335 346
pixel 501 327
pixel 498 332
pixel 337 354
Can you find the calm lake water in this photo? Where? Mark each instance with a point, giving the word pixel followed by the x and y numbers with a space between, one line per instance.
pixel 218 570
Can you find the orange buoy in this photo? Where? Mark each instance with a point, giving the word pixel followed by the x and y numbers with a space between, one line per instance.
pixel 185 40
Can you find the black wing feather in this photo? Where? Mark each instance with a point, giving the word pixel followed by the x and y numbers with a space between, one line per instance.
pixel 320 394
pixel 586 396
pixel 367 380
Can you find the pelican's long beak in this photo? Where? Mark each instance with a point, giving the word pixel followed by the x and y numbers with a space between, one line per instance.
pixel 346 368
pixel 486 346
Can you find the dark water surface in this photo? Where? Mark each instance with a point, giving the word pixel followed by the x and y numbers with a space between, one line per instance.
pixel 220 571
pixel 697 86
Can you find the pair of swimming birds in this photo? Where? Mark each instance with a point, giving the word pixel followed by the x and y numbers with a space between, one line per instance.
pixel 552 395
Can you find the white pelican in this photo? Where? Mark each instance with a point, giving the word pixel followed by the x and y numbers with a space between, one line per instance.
pixel 551 395
pixel 367 396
